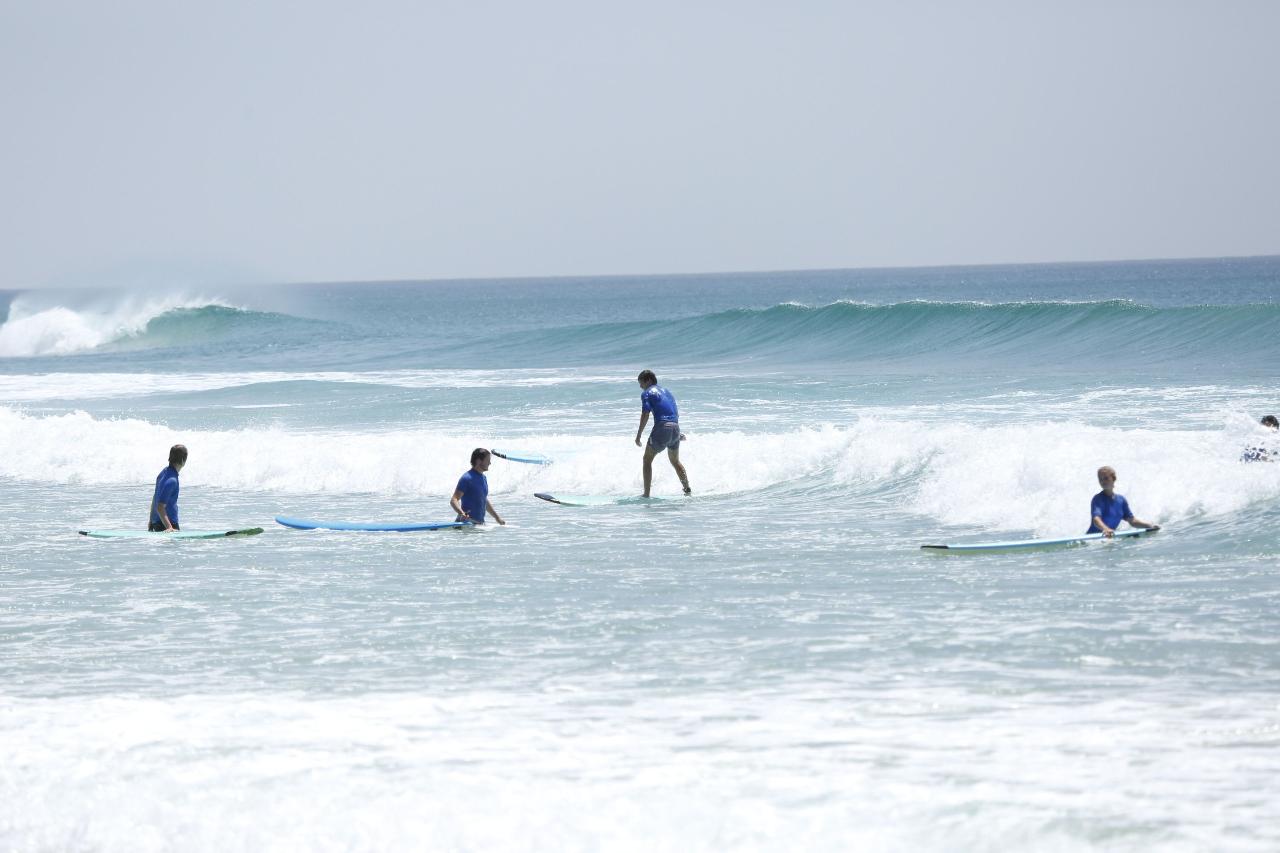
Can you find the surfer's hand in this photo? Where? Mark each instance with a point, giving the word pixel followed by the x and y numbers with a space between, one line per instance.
pixel 1108 534
pixel 637 441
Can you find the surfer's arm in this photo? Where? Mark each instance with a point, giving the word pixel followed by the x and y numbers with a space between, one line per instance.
pixel 644 419
pixel 1145 525
pixel 493 512
pixel 457 507
pixel 164 516
pixel 1102 525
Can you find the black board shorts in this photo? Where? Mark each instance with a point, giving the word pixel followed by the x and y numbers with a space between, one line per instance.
pixel 665 435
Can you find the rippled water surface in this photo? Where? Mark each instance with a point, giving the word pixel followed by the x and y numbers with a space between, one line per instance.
pixel 770 664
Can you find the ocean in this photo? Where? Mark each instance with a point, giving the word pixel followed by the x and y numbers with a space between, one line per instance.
pixel 770 664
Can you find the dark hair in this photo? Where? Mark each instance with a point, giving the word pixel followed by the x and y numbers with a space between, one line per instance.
pixel 178 455
pixel 1270 420
pixel 646 377
pixel 478 454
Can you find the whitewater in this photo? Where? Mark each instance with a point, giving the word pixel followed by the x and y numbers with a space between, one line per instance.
pixel 771 664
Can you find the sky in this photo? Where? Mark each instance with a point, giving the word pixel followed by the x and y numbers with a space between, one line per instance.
pixel 336 141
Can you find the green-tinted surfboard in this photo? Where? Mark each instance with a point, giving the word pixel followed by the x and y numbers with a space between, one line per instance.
pixel 599 500
pixel 177 534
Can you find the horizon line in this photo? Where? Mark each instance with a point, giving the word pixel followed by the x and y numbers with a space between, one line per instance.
pixel 705 274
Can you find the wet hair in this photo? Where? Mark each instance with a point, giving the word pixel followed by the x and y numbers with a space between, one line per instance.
pixel 178 455
pixel 478 454
pixel 1270 421
pixel 646 377
pixel 1106 469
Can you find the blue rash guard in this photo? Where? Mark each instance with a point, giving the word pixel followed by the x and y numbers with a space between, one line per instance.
pixel 166 493
pixel 1111 510
pixel 1256 454
pixel 658 401
pixel 475 491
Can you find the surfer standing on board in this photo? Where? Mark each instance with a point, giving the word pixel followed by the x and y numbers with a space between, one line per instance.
pixel 1109 509
pixel 471 497
pixel 665 434
pixel 164 501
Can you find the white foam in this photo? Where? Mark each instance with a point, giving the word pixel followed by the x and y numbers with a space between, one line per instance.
pixel 1037 477
pixel 1041 477
pixel 918 768
pixel 79 448
pixel 34 327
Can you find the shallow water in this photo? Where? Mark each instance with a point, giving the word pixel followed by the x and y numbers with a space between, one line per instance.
pixel 772 664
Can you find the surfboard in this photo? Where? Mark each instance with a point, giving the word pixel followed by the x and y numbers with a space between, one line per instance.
pixel 385 527
pixel 1029 543
pixel 177 534
pixel 597 500
pixel 527 458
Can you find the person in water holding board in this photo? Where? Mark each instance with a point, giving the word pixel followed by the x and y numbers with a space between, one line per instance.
pixel 665 435
pixel 1109 509
pixel 164 502
pixel 1260 453
pixel 471 498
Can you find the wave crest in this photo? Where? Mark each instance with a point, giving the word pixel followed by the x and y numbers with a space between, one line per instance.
pixel 36 328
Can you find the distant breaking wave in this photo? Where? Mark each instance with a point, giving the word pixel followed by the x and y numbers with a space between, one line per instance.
pixel 32 329
pixel 133 322
pixel 1040 332
pixel 1067 334
pixel 198 324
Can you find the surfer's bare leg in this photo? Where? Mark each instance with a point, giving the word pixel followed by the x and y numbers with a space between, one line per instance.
pixel 649 453
pixel 673 453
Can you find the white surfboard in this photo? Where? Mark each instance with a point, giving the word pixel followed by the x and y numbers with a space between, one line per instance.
pixel 1030 543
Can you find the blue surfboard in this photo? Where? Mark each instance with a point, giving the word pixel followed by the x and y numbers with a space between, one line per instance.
pixel 177 534
pixel 391 527
pixel 969 547
pixel 520 456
